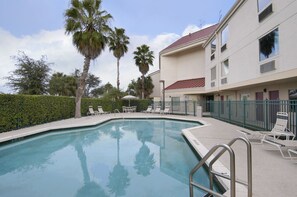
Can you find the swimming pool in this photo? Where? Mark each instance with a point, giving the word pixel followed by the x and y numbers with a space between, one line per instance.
pixel 127 157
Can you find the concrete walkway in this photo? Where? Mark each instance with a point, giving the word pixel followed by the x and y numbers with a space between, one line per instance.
pixel 273 176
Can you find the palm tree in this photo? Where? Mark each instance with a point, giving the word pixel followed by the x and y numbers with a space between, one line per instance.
pixel 89 26
pixel 143 58
pixel 118 42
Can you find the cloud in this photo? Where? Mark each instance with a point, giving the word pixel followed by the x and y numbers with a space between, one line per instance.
pixel 194 28
pixel 59 50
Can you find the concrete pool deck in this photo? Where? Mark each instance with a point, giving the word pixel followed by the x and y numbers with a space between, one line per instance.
pixel 272 175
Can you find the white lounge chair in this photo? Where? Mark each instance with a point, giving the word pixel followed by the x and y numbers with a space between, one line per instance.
pixel 292 151
pixel 149 109
pixel 157 109
pixel 166 110
pixel 282 145
pixel 92 112
pixel 100 110
pixel 279 130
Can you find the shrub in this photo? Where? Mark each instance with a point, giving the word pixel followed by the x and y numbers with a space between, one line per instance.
pixel 19 111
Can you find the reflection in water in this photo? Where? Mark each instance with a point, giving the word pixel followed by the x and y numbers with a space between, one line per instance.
pixel 89 188
pixel 125 158
pixel 144 161
pixel 118 178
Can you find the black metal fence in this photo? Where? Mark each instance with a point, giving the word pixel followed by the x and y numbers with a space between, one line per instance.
pixel 257 115
pixel 179 107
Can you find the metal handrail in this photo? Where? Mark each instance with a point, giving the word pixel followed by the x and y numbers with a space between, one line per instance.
pixel 232 176
pixel 201 163
pixel 249 164
pixel 116 110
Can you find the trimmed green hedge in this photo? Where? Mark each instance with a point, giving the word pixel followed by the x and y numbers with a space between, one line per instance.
pixel 19 111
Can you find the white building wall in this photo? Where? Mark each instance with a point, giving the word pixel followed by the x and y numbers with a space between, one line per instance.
pixel 190 64
pixel 245 30
pixel 168 69
pixel 183 65
pixel 155 76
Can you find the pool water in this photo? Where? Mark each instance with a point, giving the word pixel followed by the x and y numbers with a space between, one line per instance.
pixel 118 158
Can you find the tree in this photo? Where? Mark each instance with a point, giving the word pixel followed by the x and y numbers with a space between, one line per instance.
pixel 143 58
pixel 62 85
pixel 89 26
pixel 91 82
pixel 113 94
pixel 135 87
pixel 31 76
pixel 118 42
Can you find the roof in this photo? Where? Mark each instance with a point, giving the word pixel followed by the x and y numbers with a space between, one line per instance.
pixel 198 35
pixel 189 83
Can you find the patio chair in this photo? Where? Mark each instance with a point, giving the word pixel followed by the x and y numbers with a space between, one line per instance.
pixel 166 110
pixel 292 151
pixel 279 130
pixel 100 110
pixel 148 110
pixel 91 111
pixel 289 145
pixel 157 109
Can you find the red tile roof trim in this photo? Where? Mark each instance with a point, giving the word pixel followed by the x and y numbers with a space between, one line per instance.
pixel 189 83
pixel 198 35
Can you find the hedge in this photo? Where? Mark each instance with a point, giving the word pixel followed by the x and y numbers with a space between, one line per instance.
pixel 19 111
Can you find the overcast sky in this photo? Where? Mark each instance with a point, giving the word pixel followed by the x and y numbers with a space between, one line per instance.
pixel 37 28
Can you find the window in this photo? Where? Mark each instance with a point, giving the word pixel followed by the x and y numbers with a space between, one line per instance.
pixel 213 46
pixel 264 9
pixel 269 45
pixel 213 73
pixel 224 38
pixel 213 49
pixel 225 68
pixel 263 4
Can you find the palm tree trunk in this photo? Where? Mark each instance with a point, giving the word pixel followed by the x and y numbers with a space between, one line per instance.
pixel 142 94
pixel 81 87
pixel 118 73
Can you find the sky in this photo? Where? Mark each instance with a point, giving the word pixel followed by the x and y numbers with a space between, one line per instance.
pixel 36 27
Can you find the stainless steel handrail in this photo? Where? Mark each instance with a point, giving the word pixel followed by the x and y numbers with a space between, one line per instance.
pixel 201 163
pixel 232 176
pixel 249 164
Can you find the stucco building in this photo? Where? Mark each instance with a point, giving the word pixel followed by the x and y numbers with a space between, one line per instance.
pixel 251 54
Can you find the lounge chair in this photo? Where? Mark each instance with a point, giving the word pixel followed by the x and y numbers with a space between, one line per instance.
pixel 148 110
pixel 166 110
pixel 92 112
pixel 282 144
pixel 157 109
pixel 279 130
pixel 292 151
pixel 100 110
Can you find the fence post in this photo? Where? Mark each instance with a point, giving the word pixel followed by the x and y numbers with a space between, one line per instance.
pixel 229 103
pixel 219 108
pixel 266 115
pixel 194 104
pixel 244 112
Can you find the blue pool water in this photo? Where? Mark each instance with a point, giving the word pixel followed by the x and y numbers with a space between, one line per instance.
pixel 118 158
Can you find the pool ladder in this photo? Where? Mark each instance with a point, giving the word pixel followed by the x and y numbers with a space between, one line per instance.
pixel 232 177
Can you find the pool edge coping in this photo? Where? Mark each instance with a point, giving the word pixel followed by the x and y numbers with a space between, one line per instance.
pixel 217 166
pixel 22 133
